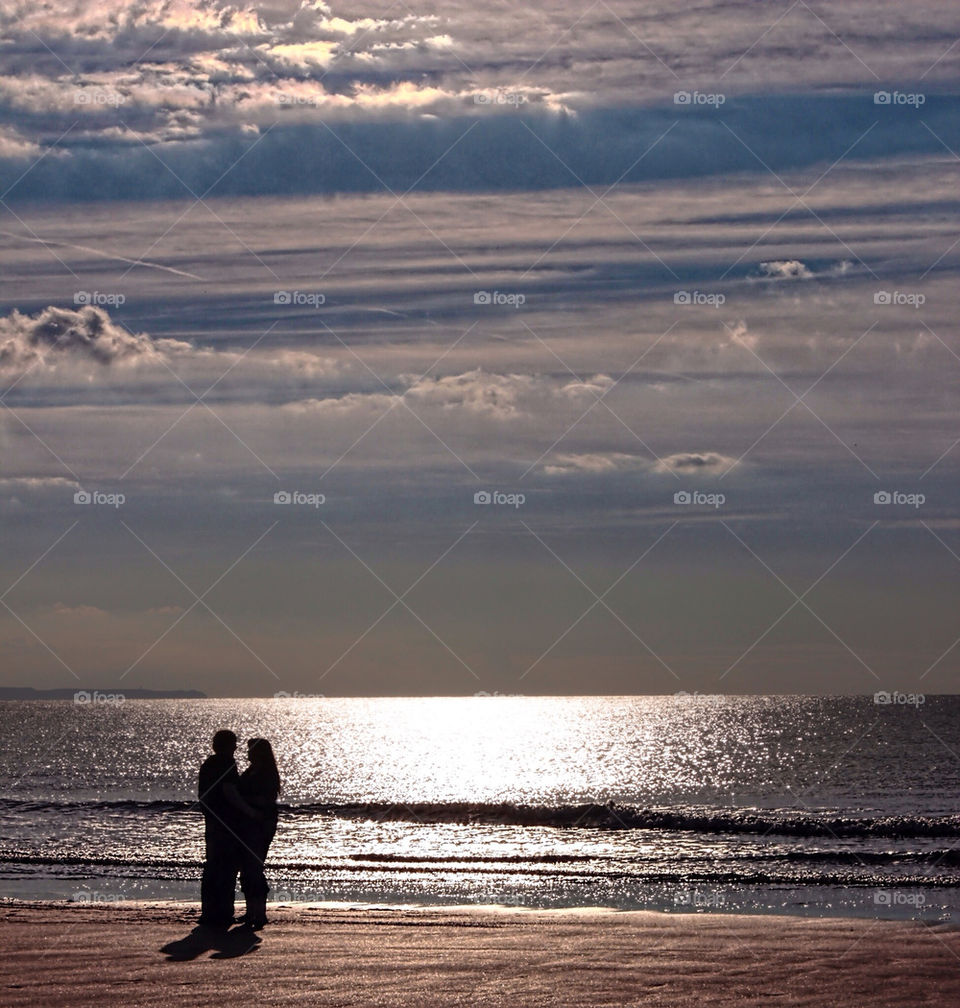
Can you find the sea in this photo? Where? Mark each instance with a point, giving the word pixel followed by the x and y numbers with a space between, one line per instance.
pixel 824 806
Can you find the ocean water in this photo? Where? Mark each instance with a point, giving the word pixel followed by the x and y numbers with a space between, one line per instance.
pixel 806 805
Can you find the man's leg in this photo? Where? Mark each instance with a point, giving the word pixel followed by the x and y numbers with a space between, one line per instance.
pixel 219 878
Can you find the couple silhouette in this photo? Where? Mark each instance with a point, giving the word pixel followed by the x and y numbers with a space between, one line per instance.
pixel 240 819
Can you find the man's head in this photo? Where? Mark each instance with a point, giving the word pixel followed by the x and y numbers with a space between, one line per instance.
pixel 224 743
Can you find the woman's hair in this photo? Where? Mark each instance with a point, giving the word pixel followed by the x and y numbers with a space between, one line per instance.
pixel 261 757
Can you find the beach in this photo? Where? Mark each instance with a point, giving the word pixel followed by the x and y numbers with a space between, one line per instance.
pixel 111 954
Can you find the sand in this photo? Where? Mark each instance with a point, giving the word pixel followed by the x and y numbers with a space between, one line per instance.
pixel 107 955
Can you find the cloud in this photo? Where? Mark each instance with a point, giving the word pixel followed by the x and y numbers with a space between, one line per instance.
pixel 496 396
pixel 61 345
pixel 693 463
pixel 592 463
pixel 786 269
pixel 87 334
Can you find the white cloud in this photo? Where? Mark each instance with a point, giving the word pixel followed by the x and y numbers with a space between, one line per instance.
pixel 591 463
pixel 87 334
pixel 785 269
pixel 692 463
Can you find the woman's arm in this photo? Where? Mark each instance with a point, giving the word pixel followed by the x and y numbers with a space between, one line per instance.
pixel 238 801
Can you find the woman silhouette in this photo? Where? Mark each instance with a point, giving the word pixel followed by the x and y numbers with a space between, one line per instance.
pixel 260 788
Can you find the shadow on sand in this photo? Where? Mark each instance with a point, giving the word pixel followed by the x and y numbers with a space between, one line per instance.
pixel 238 941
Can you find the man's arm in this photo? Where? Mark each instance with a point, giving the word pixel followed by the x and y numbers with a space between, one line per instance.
pixel 237 800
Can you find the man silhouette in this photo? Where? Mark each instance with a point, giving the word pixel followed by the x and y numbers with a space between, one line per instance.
pixel 223 811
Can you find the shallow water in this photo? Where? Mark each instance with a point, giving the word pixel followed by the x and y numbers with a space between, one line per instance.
pixel 771 804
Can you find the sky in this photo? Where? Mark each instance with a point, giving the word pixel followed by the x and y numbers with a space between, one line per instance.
pixel 362 350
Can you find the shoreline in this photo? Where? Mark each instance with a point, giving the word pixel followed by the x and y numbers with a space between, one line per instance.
pixel 110 954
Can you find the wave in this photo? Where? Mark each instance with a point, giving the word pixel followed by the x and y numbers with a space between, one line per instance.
pixel 589 815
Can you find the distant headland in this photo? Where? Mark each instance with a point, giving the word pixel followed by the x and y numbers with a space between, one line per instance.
pixel 92 695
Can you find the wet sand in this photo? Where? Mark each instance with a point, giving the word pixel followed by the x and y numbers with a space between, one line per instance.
pixel 106 955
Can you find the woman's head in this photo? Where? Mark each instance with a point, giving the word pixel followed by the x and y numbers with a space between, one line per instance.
pixel 260 754
pixel 260 751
